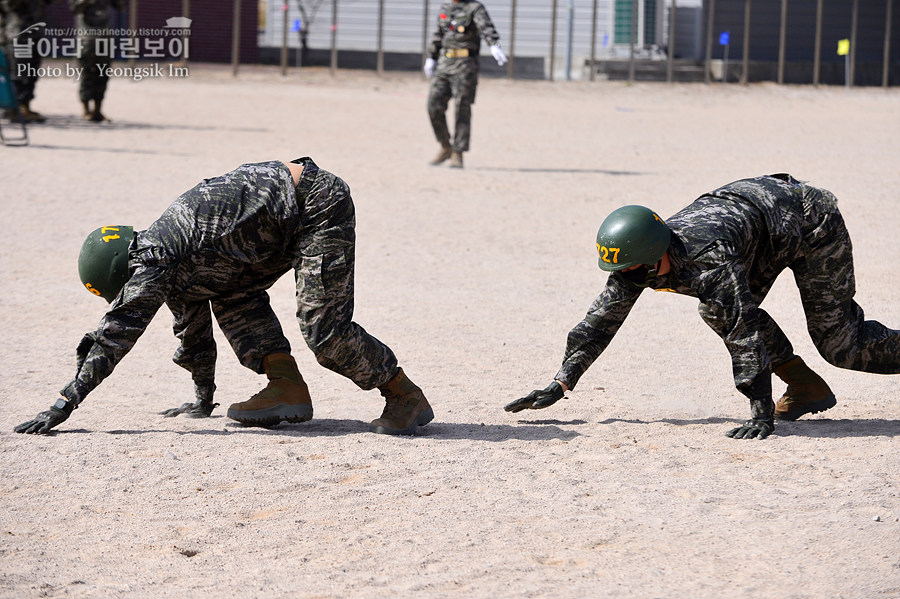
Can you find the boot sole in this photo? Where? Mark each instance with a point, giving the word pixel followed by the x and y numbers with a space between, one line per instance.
pixel 424 417
pixel 810 408
pixel 272 416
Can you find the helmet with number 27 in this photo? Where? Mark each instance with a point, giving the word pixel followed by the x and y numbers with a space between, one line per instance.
pixel 631 236
pixel 103 261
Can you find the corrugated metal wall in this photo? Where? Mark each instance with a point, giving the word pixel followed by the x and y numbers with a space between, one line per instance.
pixel 407 29
pixel 404 20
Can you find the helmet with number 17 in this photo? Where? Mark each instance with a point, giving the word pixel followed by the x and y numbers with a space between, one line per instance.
pixel 632 236
pixel 103 261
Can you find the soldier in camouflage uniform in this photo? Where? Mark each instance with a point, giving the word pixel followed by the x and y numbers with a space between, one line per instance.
pixel 726 249
pixel 91 19
pixel 213 253
pixel 452 65
pixel 19 21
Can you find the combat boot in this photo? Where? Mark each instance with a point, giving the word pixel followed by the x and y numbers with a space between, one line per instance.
pixel 444 154
pixel 456 160
pixel 286 397
pixel 807 392
pixel 405 408
pixel 96 115
pixel 30 116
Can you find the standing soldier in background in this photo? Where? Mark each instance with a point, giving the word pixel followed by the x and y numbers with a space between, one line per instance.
pixel 19 28
pixel 92 21
pixel 214 253
pixel 452 65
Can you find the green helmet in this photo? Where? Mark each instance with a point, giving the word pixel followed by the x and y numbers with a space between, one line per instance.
pixel 631 236
pixel 103 261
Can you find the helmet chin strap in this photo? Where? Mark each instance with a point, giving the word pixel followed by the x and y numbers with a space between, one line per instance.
pixel 643 275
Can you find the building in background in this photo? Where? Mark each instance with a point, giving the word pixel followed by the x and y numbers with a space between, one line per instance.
pixel 547 43
pixel 210 31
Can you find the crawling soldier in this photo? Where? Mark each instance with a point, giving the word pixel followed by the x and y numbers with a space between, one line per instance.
pixel 726 249
pixel 214 252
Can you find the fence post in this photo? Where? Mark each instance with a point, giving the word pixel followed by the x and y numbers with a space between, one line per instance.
pixel 593 39
pixel 425 32
pixel 709 38
pixel 670 62
pixel 132 24
pixel 334 21
pixel 510 69
pixel 745 76
pixel 379 67
pixel 553 39
pixel 885 72
pixel 284 43
pixel 569 30
pixel 236 39
pixel 185 40
pixel 853 26
pixel 818 45
pixel 634 20
pixel 782 37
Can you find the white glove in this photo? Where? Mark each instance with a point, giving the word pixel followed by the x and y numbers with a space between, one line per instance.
pixel 429 67
pixel 498 54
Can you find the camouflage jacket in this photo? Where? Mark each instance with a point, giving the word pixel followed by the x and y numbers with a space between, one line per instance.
pixel 462 25
pixel 228 235
pixel 727 248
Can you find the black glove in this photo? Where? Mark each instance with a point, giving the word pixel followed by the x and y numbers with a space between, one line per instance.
pixel 537 399
pixel 753 428
pixel 43 422
pixel 200 409
pixel 202 406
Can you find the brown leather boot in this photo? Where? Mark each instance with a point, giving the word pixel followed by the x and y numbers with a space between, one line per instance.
pixel 443 155
pixel 807 392
pixel 456 160
pixel 31 116
pixel 405 408
pixel 286 397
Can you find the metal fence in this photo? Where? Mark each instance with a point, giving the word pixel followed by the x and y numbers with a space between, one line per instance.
pixel 572 37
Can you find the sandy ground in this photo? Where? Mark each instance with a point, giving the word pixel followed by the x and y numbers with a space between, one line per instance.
pixel 628 489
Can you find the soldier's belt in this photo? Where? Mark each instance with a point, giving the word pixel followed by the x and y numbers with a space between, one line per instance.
pixel 457 53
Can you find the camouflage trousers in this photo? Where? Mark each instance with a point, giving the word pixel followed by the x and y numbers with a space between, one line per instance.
pixel 93 79
pixel 323 270
pixel 823 272
pixel 323 261
pixel 22 73
pixel 456 78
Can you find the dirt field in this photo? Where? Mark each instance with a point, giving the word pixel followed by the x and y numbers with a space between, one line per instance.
pixel 628 488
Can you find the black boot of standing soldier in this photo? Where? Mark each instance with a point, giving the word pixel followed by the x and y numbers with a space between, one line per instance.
pixel 807 392
pixel 405 408
pixel 286 397
pixel 29 115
